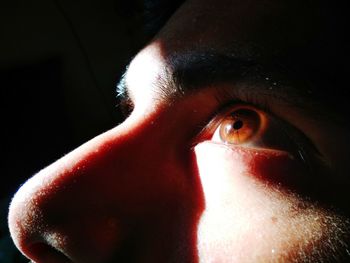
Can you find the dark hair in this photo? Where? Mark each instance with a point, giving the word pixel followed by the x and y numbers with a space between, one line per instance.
pixel 153 13
pixel 157 12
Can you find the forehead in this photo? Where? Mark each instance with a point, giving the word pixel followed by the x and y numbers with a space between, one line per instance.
pixel 236 24
pixel 289 30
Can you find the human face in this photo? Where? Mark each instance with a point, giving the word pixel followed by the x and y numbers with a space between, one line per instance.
pixel 230 154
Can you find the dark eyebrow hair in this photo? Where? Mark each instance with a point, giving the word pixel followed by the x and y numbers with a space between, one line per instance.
pixel 193 71
pixel 188 72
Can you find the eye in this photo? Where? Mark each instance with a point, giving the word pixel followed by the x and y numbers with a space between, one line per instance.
pixel 242 125
pixel 248 126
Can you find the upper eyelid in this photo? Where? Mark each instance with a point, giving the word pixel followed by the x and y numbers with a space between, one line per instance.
pixel 227 100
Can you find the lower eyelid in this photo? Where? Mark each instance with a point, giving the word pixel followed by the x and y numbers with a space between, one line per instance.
pixel 252 150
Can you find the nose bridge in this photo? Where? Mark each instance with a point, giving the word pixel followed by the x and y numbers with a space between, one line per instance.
pixel 94 195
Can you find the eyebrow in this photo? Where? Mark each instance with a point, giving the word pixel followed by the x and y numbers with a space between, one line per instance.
pixel 192 71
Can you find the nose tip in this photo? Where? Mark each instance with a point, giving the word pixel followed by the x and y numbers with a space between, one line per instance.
pixel 27 229
pixel 43 233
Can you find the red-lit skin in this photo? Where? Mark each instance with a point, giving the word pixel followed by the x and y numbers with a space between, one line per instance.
pixel 130 209
pixel 148 191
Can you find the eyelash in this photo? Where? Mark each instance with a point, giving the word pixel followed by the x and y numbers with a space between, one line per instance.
pixel 238 96
pixel 227 99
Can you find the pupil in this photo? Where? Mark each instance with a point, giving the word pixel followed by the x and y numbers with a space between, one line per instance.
pixel 237 125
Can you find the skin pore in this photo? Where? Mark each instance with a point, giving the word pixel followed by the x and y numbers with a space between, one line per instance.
pixel 171 184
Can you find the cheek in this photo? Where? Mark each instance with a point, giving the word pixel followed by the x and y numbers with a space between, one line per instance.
pixel 249 215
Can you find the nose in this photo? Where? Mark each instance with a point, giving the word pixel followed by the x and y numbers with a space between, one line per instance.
pixel 117 198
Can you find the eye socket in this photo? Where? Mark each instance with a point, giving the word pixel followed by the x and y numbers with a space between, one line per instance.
pixel 242 125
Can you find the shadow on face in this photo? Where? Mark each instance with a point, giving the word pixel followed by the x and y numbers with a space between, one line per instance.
pixel 164 187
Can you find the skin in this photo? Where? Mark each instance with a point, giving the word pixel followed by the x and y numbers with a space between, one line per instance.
pixel 164 187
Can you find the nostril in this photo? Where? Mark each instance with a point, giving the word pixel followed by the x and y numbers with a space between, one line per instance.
pixel 43 253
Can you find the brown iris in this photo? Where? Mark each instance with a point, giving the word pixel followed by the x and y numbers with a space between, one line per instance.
pixel 240 126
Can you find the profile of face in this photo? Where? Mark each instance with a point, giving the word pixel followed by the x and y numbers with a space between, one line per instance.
pixel 235 150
